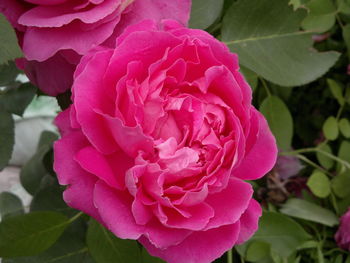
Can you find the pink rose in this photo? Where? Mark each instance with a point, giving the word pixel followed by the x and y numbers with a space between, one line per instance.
pixel 343 234
pixel 159 140
pixel 47 29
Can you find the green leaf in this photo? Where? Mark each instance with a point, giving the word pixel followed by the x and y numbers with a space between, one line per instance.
pixel 336 90
pixel 257 250
pixel 330 128
pixel 16 100
pixel 319 184
pixel 265 34
pixel 321 15
pixel 344 127
pixel 10 205
pixel 309 211
pixel 343 6
pixel 147 258
pixel 282 233
pixel 279 119
pixel 70 248
pixel 30 234
pixel 9 49
pixel 205 12
pixel 106 247
pixel 49 198
pixel 8 73
pixel 346 36
pixel 251 77
pixel 344 153
pixel 34 170
pixel 325 161
pixel 340 184
pixel 7 137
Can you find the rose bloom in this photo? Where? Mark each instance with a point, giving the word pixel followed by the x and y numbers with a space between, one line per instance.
pixel 159 140
pixel 55 33
pixel 343 234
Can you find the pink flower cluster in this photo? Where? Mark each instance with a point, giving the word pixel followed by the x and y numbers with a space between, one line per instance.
pixel 159 140
pixel 343 234
pixel 54 34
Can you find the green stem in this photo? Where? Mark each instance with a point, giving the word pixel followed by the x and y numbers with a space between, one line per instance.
pixel 308 161
pixel 72 219
pixel 308 150
pixel 229 256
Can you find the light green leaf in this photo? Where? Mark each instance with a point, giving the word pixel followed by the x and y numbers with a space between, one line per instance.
pixel 7 137
pixel 279 119
pixel 344 153
pixel 30 234
pixel 341 183
pixel 309 211
pixel 336 90
pixel 17 99
pixel 10 205
pixel 205 12
pixel 266 36
pixel 330 128
pixel 344 127
pixel 9 49
pixel 106 247
pixel 282 233
pixel 325 161
pixel 319 184
pixel 321 15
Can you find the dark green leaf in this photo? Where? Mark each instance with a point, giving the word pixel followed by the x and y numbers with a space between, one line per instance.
pixel 10 205
pixel 106 247
pixel 9 49
pixel 7 137
pixel 266 36
pixel 250 76
pixel 282 233
pixel 16 100
pixel 8 73
pixel 205 12
pixel 30 234
pixel 319 184
pixel 257 250
pixel 309 211
pixel 34 170
pixel 70 248
pixel 147 258
pixel 346 36
pixel 279 119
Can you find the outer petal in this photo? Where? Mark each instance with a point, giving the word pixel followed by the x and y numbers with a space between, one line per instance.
pixel 199 247
pixel 52 76
pixel 249 221
pixel 263 150
pixel 115 209
pixel 81 184
pixel 230 203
